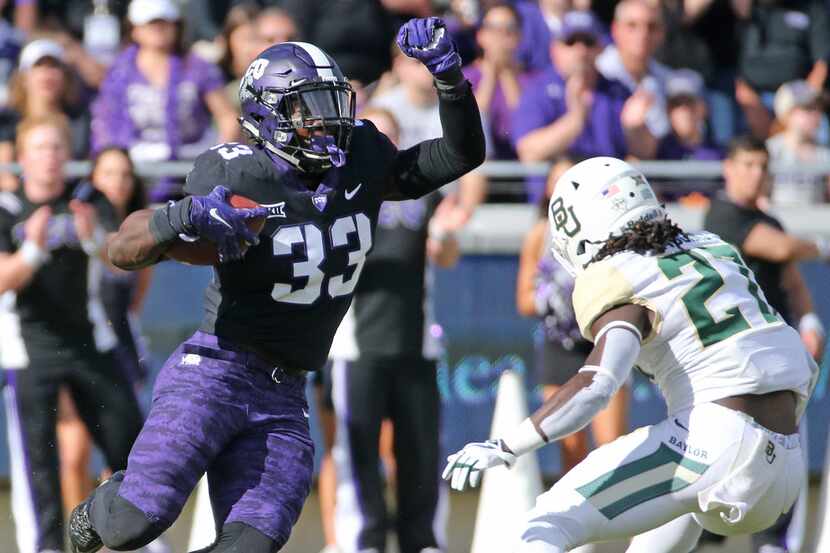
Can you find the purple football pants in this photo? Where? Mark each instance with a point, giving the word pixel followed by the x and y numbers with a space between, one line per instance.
pixel 225 411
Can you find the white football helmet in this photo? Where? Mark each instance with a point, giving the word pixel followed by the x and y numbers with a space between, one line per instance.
pixel 593 200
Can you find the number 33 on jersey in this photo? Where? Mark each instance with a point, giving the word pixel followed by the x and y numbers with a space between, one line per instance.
pixel 297 283
pixel 315 242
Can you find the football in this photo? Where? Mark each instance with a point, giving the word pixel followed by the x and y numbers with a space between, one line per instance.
pixel 203 252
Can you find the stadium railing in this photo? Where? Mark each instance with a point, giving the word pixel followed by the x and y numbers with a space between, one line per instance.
pixel 496 169
pixel 498 228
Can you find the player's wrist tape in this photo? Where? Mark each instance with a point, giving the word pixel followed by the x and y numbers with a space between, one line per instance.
pixel 171 221
pixel 524 439
pixel 33 255
pixel 811 323
pixel 451 83
pixel 92 246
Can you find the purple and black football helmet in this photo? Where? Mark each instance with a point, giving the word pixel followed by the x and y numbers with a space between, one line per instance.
pixel 296 102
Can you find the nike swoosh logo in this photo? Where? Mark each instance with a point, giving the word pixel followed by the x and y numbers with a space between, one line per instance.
pixel 677 422
pixel 215 214
pixel 305 413
pixel 350 193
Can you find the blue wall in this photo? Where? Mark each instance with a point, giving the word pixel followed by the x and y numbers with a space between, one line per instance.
pixel 475 303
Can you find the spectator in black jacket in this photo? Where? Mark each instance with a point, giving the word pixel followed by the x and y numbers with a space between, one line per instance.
pixel 357 33
pixel 702 35
pixel 780 41
pixel 204 18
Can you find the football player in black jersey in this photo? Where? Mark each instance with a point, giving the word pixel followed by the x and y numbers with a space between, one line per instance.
pixel 230 400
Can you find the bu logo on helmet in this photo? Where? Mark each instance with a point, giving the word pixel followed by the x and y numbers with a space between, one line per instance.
pixel 561 218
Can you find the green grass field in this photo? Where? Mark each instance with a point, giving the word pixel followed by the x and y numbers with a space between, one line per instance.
pixel 307 536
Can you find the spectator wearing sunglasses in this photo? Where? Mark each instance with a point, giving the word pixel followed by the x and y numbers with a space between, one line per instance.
pixel 497 77
pixel 637 31
pixel 572 110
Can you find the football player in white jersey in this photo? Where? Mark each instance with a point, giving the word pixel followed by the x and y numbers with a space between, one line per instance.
pixel 685 310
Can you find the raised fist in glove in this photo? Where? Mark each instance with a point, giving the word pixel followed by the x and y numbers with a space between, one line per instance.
pixel 428 41
pixel 213 217
pixel 468 464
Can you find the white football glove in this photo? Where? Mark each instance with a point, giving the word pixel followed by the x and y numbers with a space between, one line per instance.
pixel 469 463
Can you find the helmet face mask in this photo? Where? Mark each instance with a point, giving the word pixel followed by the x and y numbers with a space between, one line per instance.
pixel 296 102
pixel 593 201
pixel 317 119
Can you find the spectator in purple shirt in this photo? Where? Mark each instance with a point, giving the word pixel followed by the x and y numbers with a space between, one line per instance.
pixel 156 101
pixel 498 80
pixel 570 109
pixel 688 138
pixel 497 77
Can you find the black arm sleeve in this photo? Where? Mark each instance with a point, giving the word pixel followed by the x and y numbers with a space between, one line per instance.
pixel 431 164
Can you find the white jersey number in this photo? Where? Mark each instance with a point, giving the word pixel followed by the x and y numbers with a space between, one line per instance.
pixel 309 270
pixel 232 150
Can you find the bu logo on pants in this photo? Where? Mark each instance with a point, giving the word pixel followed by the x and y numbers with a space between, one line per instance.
pixel 770 452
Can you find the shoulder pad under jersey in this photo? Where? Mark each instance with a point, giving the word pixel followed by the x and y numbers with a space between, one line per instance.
pixel 240 167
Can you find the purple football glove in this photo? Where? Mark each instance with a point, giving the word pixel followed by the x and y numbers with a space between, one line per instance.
pixel 428 41
pixel 212 217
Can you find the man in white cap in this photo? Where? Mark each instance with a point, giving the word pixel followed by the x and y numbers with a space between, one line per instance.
pixel 798 108
pixel 38 50
pixel 44 84
pixel 687 114
pixel 142 12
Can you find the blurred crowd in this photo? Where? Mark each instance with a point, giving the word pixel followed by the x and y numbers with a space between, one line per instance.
pixel 126 83
pixel 644 79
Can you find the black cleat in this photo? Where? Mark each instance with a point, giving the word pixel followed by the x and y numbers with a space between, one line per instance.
pixel 83 537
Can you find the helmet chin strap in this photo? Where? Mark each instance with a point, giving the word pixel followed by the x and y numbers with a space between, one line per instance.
pixel 283 155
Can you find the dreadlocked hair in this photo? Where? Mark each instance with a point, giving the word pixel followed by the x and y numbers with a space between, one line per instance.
pixel 643 236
